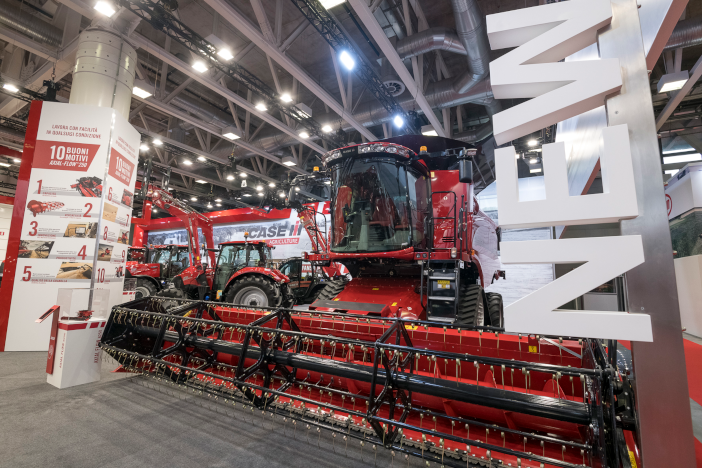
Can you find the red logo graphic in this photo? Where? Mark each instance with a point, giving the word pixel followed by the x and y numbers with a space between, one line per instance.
pixel 669 203
pixel 120 167
pixel 64 156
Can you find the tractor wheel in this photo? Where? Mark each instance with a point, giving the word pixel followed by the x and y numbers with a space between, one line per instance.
pixel 331 290
pixel 254 290
pixel 471 306
pixel 288 297
pixel 145 288
pixel 495 309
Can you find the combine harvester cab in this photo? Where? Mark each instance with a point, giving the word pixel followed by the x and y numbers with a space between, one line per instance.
pixel 399 370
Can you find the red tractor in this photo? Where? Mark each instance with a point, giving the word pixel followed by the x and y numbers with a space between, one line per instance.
pixel 156 266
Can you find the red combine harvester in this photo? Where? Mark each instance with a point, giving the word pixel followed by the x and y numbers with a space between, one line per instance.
pixel 406 363
pixel 89 186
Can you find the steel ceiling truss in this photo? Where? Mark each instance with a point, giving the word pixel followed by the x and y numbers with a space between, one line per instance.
pixel 153 13
pixel 188 344
pixel 326 26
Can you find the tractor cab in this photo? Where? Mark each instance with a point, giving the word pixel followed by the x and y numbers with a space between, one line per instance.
pixel 155 266
pixel 173 259
pixel 136 255
pixel 234 256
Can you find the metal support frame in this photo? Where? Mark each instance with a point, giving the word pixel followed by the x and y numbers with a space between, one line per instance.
pixel 664 423
pixel 326 26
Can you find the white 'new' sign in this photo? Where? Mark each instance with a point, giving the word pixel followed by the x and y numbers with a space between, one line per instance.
pixel 544 35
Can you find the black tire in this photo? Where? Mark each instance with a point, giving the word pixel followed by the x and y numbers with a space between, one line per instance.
pixel 495 309
pixel 145 288
pixel 288 297
pixel 254 290
pixel 331 290
pixel 471 306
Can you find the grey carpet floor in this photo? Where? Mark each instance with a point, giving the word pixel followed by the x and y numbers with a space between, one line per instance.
pixel 119 423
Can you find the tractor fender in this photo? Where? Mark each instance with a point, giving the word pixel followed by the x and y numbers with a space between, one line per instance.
pixel 150 279
pixel 191 276
pixel 144 269
pixel 479 268
pixel 273 275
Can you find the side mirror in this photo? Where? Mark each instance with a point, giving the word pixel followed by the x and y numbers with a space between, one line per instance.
pixel 465 171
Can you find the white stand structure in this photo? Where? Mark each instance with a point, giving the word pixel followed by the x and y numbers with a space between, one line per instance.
pixel 77 359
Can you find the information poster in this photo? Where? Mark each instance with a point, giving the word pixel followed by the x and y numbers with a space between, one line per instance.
pixel 76 219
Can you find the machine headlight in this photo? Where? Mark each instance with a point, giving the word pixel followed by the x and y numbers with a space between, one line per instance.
pixel 454 252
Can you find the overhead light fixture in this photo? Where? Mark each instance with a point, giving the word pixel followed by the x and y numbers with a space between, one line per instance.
pixel 682 158
pixel 230 177
pixel 187 162
pixel 673 151
pixel 4 164
pixel 304 134
pixel 297 189
pixel 303 110
pixel 672 81
pixel 193 199
pixel 218 200
pixel 247 194
pixel 105 8
pixel 144 148
pixel 534 171
pixel 243 175
pixel 200 181
pixel 288 161
pixel 326 128
pixel 209 205
pixel 154 210
pixel 260 194
pixel 271 185
pixel 231 133
pixel 200 66
pixel 17 161
pixel 327 182
pixel 428 130
pixel 398 121
pixel 281 194
pixel 327 4
pixel 259 187
pixel 140 93
pixel 346 60
pixel 226 54
pixel 218 204
pixel 243 184
pixel 533 160
pixel 672 172
pixel 261 106
pixel 201 158
pixel 285 97
pixel 10 87
pixel 536 150
pixel 532 142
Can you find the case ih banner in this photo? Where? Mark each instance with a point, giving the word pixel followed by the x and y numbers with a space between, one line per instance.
pixel 72 219
pixel 286 236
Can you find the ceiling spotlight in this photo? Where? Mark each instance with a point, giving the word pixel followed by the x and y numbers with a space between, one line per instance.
pixel 4 164
pixel 230 177
pixel 157 142
pixel 673 81
pixel 271 185
pixel 209 205
pixel 297 189
pixel 105 8
pixel 281 194
pixel 218 204
pixel 155 210
pixel 140 93
pixel 187 162
pixel 218 200
pixel 346 59
pixel 398 121
pixel 428 130
pixel 10 87
pixel 285 97
pixel 200 181
pixel 232 133
pixel 247 194
pixel 533 161
pixel 17 161
pixel 304 134
pixel 226 54
pixel 535 171
pixel 259 187
pixel 532 142
pixel 288 161
pixel 200 66
pixel 243 175
pixel 193 199
pixel 260 194
pixel 327 4
pixel 326 128
pixel 144 148
pixel 261 106
pixel 201 158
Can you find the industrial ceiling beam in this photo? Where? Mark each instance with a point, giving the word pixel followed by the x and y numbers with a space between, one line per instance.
pixel 675 101
pixel 23 42
pixel 240 22
pixel 366 16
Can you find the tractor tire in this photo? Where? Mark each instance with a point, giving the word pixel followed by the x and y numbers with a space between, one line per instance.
pixel 288 297
pixel 145 288
pixel 331 290
pixel 254 290
pixel 495 309
pixel 471 306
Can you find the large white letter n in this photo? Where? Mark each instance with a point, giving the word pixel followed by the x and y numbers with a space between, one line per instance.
pixel 543 35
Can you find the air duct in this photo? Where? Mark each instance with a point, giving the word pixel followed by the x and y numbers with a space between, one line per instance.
pixel 472 32
pixel 429 40
pixel 687 33
pixel 13 17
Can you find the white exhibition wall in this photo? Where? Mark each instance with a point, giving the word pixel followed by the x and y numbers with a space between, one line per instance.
pixel 5 219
